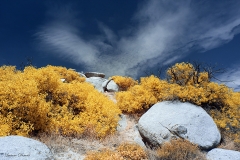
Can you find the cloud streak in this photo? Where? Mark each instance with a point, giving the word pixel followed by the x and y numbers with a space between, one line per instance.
pixel 231 77
pixel 164 31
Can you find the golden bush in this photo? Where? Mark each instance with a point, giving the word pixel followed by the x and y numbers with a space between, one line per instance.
pixel 105 154
pixel 124 83
pixel 36 100
pixel 161 89
pixel 189 86
pixel 228 117
pixel 136 99
pixel 179 149
pixel 185 74
pixel 11 125
pixel 131 151
pixel 126 151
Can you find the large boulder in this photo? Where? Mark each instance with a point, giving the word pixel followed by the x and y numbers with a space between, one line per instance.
pixel 223 154
pixel 96 82
pixel 102 84
pixel 22 148
pixel 167 120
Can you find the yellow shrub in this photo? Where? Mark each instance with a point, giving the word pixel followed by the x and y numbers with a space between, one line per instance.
pixel 221 100
pixel 37 100
pixel 101 113
pixel 228 117
pixel 10 124
pixel 20 98
pixel 124 83
pixel 159 88
pixel 185 74
pixel 126 151
pixel 103 155
pixel 179 150
pixel 136 99
pixel 132 151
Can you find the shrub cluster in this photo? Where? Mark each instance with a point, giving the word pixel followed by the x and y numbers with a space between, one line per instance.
pixel 36 100
pixel 124 83
pixel 186 74
pixel 179 149
pixel 176 149
pixel 105 154
pixel 185 84
pixel 126 151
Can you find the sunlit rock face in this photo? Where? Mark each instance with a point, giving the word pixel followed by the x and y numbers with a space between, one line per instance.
pixel 22 148
pixel 223 154
pixel 167 120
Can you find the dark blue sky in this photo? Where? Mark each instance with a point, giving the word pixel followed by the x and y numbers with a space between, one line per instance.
pixel 122 37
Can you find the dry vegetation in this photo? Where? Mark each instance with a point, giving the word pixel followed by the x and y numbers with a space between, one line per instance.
pixel 113 147
pixel 73 118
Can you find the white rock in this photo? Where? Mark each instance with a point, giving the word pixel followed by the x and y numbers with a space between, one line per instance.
pixel 166 120
pixel 63 79
pixel 138 138
pixel 94 74
pixel 128 131
pixel 122 123
pixel 223 154
pixel 81 74
pixel 22 148
pixel 110 86
pixel 96 82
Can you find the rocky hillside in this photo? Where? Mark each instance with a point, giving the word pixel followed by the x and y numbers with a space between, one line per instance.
pixel 85 116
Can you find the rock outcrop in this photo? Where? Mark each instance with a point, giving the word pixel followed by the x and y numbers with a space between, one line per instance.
pixel 110 86
pixel 22 148
pixel 102 84
pixel 161 123
pixel 223 154
pixel 167 120
pixel 96 82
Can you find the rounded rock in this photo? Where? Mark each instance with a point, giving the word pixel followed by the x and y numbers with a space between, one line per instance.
pixel 94 74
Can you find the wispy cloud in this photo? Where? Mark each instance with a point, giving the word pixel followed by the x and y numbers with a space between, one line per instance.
pixel 231 77
pixel 164 31
pixel 64 41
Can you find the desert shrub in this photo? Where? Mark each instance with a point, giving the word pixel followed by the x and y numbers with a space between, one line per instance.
pixel 160 89
pixel 186 84
pixel 220 101
pixel 131 151
pixel 228 117
pixel 179 149
pixel 21 103
pixel 11 125
pixel 136 99
pixel 186 74
pixel 125 151
pixel 36 100
pixel 124 83
pixel 105 154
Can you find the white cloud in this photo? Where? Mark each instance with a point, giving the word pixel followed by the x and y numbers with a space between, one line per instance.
pixel 64 41
pixel 166 30
pixel 231 77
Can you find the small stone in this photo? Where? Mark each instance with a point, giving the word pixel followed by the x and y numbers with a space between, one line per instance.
pixel 94 74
